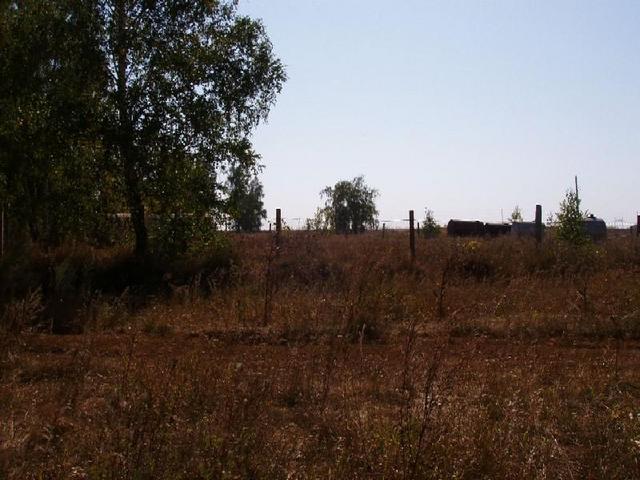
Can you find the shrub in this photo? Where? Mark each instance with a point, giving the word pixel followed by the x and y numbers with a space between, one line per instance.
pixel 23 313
pixel 570 220
pixel 429 227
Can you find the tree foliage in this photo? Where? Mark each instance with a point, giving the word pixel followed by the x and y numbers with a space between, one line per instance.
pixel 350 206
pixel 429 227
pixel 51 155
pixel 570 220
pixel 189 81
pixel 106 104
pixel 321 220
pixel 245 194
pixel 516 215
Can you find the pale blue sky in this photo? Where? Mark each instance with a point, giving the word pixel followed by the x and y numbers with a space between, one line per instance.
pixel 467 107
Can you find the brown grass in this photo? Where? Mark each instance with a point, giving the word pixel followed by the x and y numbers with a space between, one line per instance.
pixel 483 359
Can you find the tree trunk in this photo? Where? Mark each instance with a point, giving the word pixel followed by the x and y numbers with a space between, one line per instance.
pixel 126 146
pixel 136 207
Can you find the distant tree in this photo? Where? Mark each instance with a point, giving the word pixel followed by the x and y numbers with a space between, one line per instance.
pixel 350 206
pixel 570 220
pixel 516 215
pixel 321 220
pixel 429 227
pixel 551 220
pixel 245 205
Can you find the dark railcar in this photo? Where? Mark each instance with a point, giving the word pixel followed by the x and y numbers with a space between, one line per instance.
pixel 596 228
pixel 465 228
pixel 496 229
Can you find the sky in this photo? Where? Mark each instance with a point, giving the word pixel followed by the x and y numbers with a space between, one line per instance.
pixel 465 107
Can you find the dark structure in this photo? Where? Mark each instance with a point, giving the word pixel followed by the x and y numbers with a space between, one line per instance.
pixel 465 228
pixel 496 229
pixel 596 228
pixel 539 227
pixel 526 229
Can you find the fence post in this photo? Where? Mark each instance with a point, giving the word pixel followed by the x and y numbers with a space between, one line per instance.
pixel 2 233
pixel 383 228
pixel 412 236
pixel 278 226
pixel 637 226
pixel 538 223
pixel 269 281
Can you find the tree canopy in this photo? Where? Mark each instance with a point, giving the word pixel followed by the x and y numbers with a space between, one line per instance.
pixel 350 206
pixel 112 104
pixel 50 149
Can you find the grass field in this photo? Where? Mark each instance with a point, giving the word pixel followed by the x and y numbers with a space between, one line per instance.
pixel 332 357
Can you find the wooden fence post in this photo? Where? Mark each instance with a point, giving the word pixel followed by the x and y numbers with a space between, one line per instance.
pixel 412 236
pixel 278 226
pixel 638 226
pixel 384 225
pixel 269 281
pixel 538 223
pixel 2 233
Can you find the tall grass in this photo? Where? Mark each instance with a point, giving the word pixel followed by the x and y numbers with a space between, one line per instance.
pixel 481 359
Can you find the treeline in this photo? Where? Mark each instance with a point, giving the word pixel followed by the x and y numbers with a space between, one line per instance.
pixel 136 106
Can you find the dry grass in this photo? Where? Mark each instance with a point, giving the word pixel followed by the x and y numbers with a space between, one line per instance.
pixel 339 358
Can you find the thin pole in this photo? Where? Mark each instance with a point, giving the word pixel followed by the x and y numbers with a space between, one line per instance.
pixel 412 236
pixel 278 226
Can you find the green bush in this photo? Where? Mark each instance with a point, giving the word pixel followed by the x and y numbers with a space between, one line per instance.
pixel 570 220
pixel 429 227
